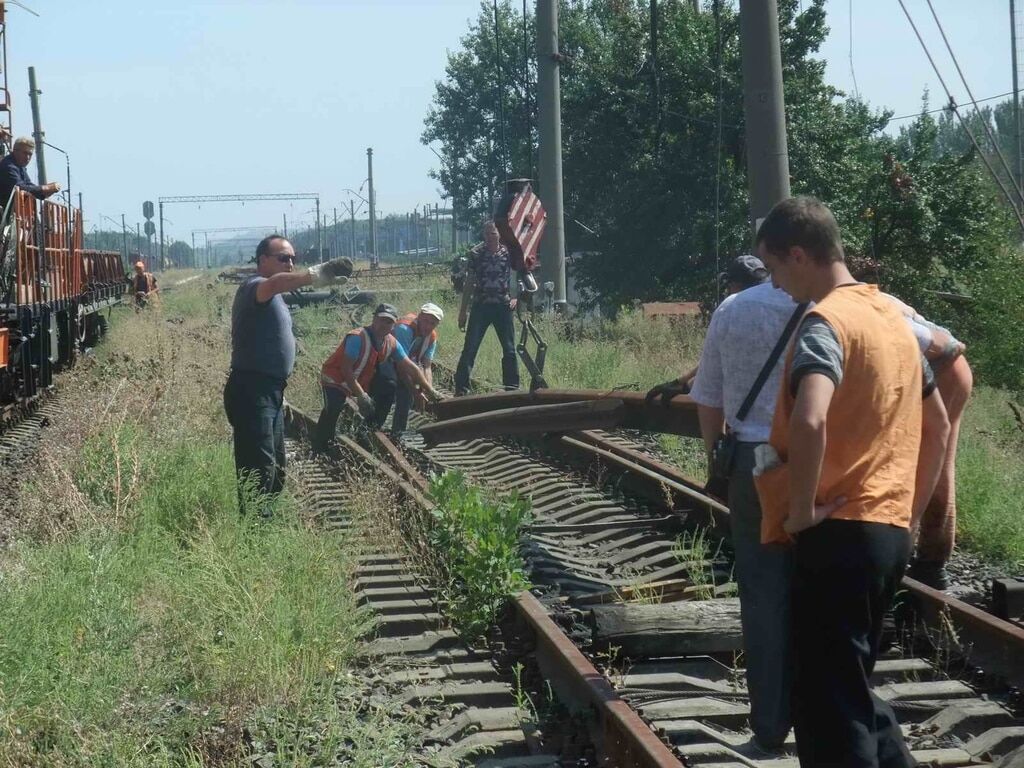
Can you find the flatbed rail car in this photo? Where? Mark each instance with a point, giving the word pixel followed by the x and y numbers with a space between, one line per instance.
pixel 52 293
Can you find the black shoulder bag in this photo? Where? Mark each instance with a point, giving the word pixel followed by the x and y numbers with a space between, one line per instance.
pixel 723 452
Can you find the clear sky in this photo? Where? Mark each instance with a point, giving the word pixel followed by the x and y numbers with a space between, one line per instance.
pixel 156 97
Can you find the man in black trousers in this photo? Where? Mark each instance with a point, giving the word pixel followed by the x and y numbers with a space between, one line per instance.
pixel 262 359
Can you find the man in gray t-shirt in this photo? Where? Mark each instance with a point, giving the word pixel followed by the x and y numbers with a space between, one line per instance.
pixel 262 358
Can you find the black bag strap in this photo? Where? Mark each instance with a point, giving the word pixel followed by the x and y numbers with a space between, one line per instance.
pixel 769 364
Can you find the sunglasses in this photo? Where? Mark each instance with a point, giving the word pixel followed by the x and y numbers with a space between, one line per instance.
pixel 285 258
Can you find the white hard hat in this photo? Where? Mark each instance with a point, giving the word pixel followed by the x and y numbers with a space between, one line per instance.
pixel 433 310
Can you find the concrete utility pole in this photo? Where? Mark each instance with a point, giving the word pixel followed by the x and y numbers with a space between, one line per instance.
pixel 319 242
pixel 437 227
pixel 335 253
pixel 193 249
pixel 37 125
pixel 124 237
pixel 764 108
pixel 416 233
pixel 549 130
pixel 1016 101
pixel 284 217
pixel 373 209
pixel 352 226
pixel 161 235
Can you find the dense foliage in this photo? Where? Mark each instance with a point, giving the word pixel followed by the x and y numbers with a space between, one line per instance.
pixel 655 164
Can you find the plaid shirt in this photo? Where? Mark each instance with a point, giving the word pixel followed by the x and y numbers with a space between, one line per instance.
pixel 491 273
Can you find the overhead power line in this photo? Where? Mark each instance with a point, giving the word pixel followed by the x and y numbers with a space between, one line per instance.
pixel 974 102
pixel 952 105
pixel 984 123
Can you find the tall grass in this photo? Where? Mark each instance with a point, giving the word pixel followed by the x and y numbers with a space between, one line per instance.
pixel 155 626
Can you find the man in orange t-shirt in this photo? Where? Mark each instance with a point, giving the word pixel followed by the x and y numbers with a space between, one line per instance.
pixel 861 437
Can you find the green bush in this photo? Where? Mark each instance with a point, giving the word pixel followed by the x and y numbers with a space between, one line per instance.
pixel 479 538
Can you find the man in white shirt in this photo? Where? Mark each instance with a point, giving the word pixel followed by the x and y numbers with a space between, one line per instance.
pixel 743 332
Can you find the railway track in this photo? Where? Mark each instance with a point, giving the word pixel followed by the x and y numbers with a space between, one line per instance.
pixel 605 540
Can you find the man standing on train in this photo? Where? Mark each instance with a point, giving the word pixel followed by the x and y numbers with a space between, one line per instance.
pixel 13 173
pixel 262 359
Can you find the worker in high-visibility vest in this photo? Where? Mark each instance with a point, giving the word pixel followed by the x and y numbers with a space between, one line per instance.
pixel 417 335
pixel 351 371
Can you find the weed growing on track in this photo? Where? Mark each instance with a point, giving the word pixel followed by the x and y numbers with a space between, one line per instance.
pixel 479 538
pixel 696 552
pixel 145 623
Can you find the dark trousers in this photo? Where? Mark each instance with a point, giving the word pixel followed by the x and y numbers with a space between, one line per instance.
pixel 764 574
pixel 482 316
pixel 254 407
pixel 845 574
pixel 382 390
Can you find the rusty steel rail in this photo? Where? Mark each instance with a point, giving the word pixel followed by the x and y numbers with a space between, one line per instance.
pixel 528 419
pixel 622 736
pixel 990 643
pixel 678 418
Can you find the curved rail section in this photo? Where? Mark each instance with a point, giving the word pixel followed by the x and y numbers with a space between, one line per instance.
pixel 620 735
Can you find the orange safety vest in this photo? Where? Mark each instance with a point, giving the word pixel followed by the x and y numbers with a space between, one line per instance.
pixel 365 364
pixel 873 426
pixel 419 343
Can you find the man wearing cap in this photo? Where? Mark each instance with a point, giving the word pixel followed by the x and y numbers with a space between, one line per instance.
pixel 13 173
pixel 743 272
pixel 417 335
pixel 262 359
pixel 351 371
pixel 743 332
pixel 144 285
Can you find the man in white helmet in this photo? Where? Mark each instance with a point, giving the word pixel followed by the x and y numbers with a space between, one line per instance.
pixel 417 333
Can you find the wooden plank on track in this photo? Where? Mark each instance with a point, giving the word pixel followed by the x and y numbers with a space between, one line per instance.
pixel 670 629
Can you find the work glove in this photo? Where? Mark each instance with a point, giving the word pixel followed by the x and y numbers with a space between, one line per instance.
pixel 432 394
pixel 366 406
pixel 667 391
pixel 335 272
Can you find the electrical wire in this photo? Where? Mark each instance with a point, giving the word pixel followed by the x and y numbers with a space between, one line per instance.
pixel 853 73
pixel 946 108
pixel 984 122
pixel 952 105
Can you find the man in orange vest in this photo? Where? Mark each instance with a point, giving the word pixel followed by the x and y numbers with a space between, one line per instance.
pixel 351 371
pixel 417 335
pixel 858 438
pixel 144 285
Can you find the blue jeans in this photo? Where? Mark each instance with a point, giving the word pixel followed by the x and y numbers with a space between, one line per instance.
pixel 764 575
pixel 481 316
pixel 253 404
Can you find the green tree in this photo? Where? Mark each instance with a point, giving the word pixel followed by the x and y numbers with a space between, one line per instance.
pixel 179 254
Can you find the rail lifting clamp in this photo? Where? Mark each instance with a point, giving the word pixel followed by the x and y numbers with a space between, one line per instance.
pixel 528 331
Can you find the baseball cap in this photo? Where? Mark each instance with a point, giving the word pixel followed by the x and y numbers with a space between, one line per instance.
pixel 746 270
pixel 433 310
pixel 386 310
